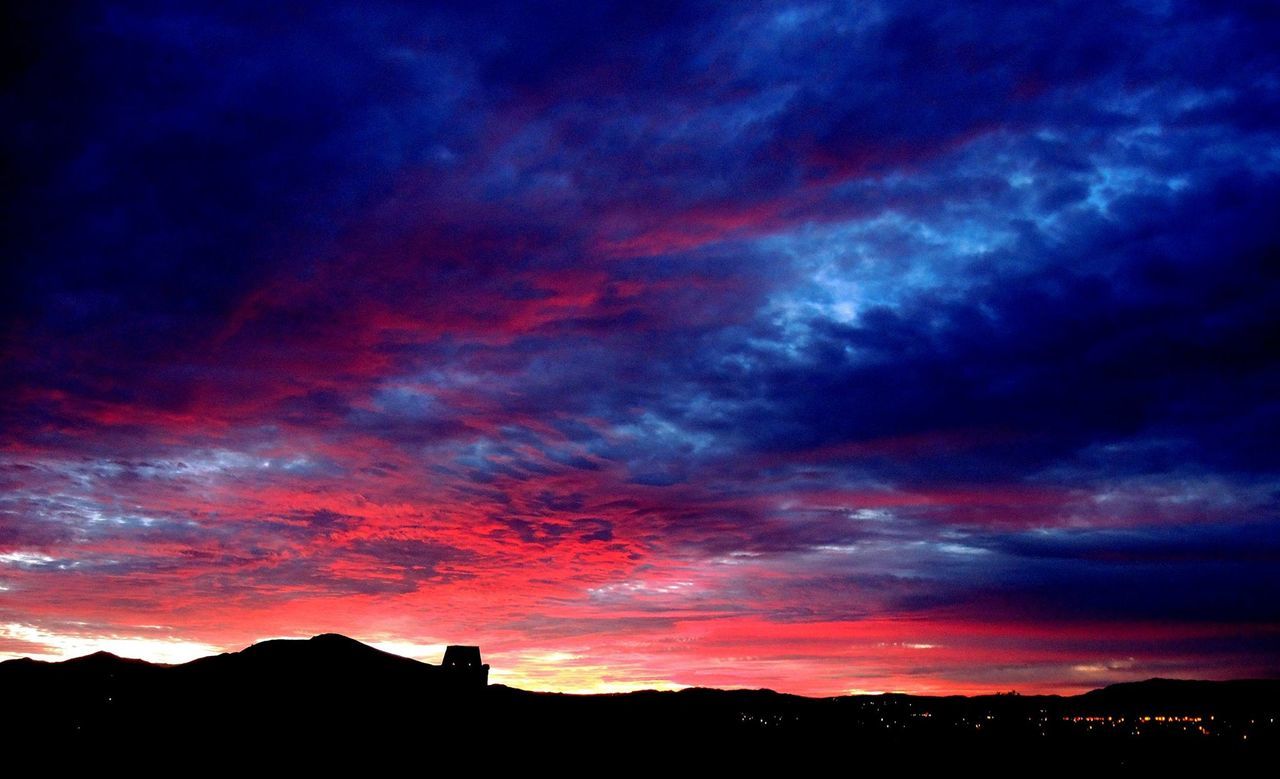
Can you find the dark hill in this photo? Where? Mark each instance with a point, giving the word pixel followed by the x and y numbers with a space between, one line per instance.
pixel 317 655
pixel 1183 695
pixel 329 685
pixel 334 695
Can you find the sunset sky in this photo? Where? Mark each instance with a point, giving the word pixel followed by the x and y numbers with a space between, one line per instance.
pixel 830 348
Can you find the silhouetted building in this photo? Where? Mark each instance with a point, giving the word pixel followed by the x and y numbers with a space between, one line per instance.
pixel 463 664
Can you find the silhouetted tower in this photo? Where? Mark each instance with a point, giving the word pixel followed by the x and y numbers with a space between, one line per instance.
pixel 463 664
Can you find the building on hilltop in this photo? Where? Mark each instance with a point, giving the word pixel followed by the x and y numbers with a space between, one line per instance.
pixel 462 665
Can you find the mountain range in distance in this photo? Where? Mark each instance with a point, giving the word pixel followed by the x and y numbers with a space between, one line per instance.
pixel 343 696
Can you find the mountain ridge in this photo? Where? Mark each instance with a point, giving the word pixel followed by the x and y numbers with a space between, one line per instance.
pixel 310 654
pixel 332 695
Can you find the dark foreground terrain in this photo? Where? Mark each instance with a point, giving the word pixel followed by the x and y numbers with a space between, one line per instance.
pixel 331 698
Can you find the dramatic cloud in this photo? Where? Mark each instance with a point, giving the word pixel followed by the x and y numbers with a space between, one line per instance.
pixel 897 345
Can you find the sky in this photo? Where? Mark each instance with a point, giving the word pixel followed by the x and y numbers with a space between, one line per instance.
pixel 830 348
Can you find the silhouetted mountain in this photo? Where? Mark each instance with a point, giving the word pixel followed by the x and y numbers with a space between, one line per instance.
pixel 1183 695
pixel 319 654
pixel 335 693
pixel 324 687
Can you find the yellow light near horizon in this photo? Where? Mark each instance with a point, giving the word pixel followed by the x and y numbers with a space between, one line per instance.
pixel 64 646
pixel 427 653
pixel 565 672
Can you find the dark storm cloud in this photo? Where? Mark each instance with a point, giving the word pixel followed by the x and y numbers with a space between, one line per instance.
pixel 1210 574
pixel 1166 332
